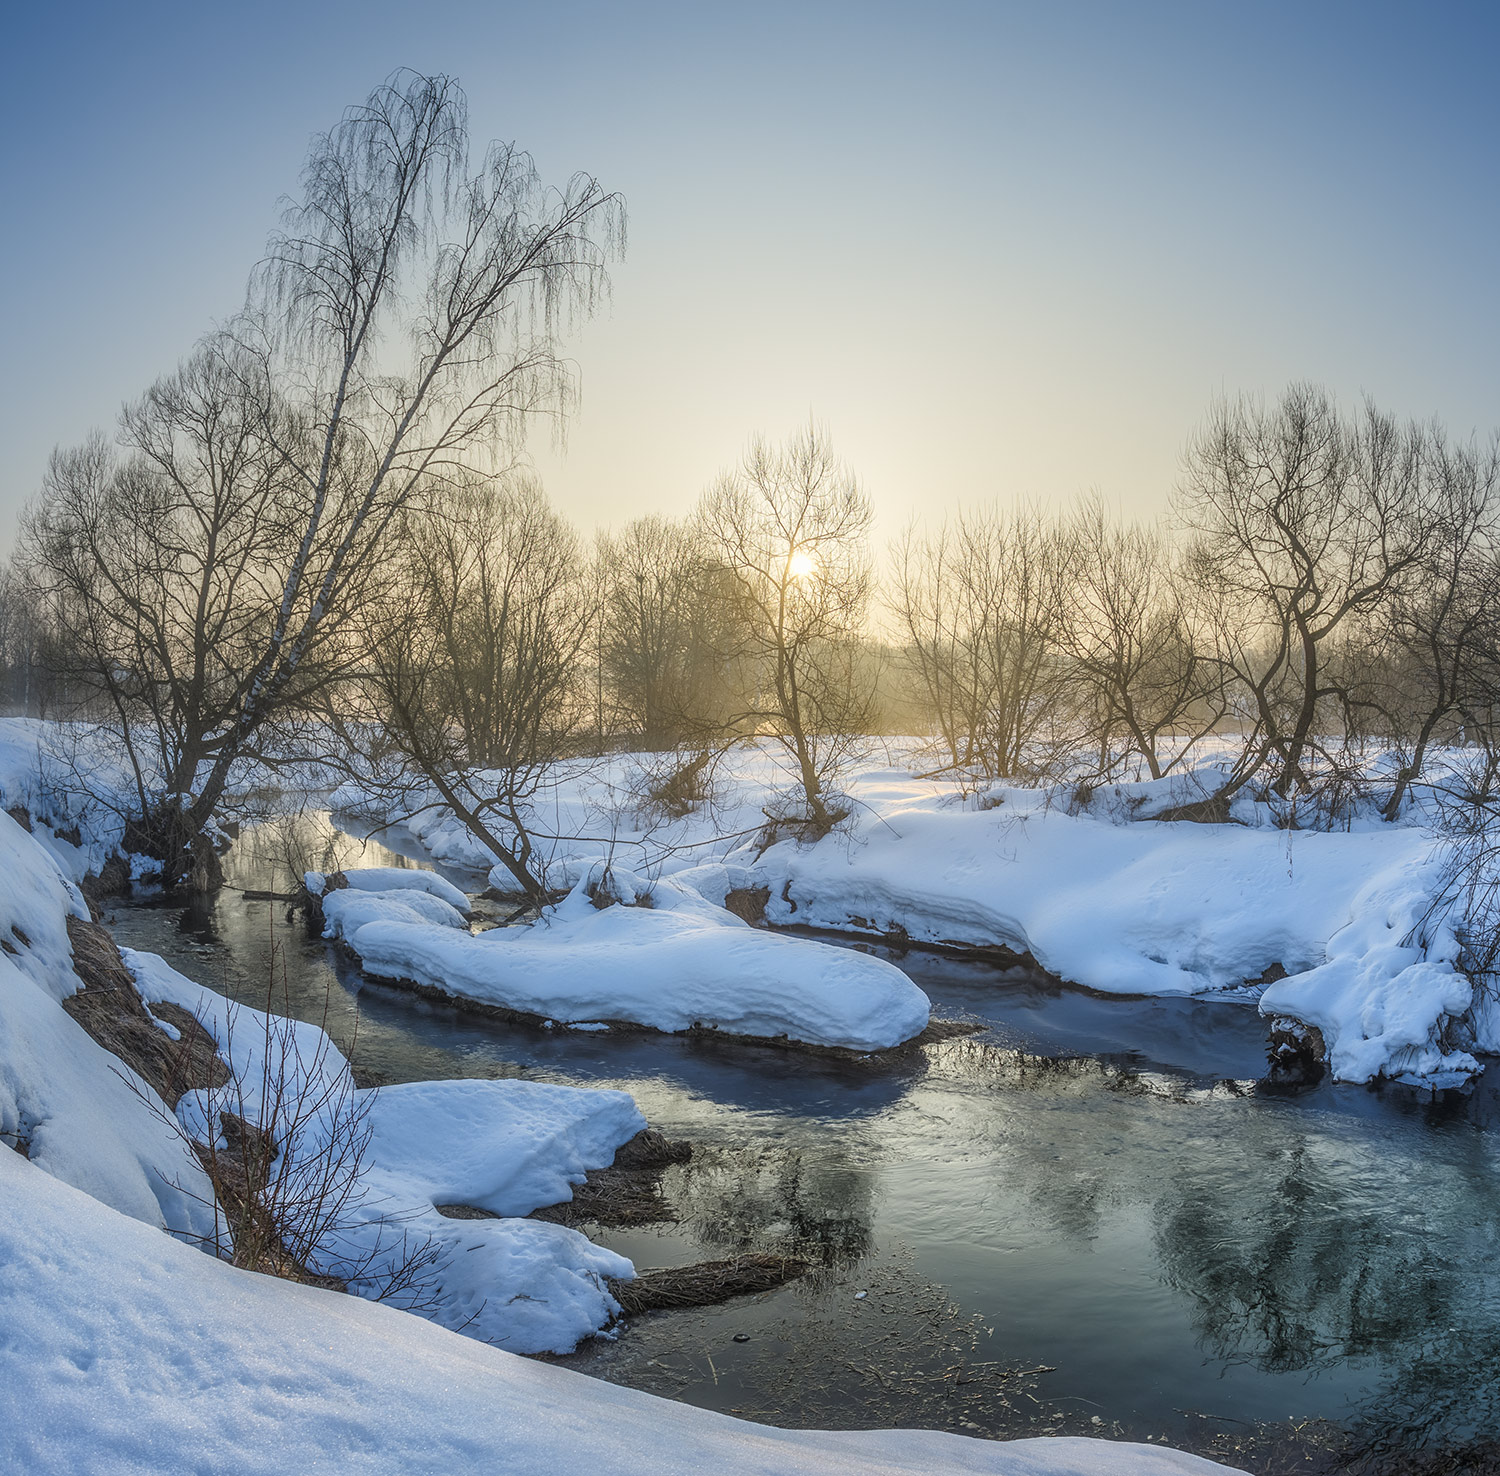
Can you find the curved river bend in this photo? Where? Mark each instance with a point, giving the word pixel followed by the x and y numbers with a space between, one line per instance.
pixel 1085 1218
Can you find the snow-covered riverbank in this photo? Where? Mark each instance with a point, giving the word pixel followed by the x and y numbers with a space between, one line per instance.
pixel 1096 891
pixel 126 1354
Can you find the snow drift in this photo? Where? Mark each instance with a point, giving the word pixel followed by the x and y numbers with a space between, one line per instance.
pixel 505 1146
pixel 670 960
pixel 77 1111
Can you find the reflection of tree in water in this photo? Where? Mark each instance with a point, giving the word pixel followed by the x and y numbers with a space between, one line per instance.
pixel 777 1197
pixel 1302 1241
pixel 1306 1262
pixel 1288 1272
pixel 1445 1394
pixel 297 837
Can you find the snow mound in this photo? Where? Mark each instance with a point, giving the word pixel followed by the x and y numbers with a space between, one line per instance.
pixel 79 1112
pixel 346 911
pixel 126 1353
pixel 88 1119
pixel 673 965
pixel 1382 1002
pixel 35 904
pixel 506 1146
pixel 1145 908
pixel 393 879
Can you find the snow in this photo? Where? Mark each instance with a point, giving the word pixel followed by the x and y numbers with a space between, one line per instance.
pixel 68 777
pixel 35 904
pixel 1160 908
pixel 88 1119
pixel 348 910
pixel 675 964
pixel 82 1114
pixel 126 1353
pixel 1100 894
pixel 1086 882
pixel 394 879
pixel 506 1146
pixel 1380 1000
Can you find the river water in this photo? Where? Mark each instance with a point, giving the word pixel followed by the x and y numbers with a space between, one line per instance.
pixel 1087 1217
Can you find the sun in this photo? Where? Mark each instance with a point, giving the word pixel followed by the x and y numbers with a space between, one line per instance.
pixel 801 564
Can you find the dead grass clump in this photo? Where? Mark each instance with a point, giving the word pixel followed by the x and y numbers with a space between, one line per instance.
pixel 628 1192
pixel 706 1283
pixel 748 904
pixel 1211 811
pixel 112 1011
pixel 679 786
pixel 240 1172
pixel 651 1150
pixel 112 880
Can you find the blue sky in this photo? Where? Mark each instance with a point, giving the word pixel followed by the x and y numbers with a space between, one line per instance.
pixel 1002 251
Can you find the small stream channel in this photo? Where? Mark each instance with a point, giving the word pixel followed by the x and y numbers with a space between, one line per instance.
pixel 1086 1218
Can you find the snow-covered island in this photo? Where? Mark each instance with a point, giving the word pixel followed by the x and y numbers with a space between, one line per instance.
pixel 656 954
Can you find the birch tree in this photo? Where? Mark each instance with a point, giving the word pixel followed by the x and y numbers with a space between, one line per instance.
pixel 403 327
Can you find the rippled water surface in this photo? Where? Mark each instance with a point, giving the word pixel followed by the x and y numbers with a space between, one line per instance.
pixel 1086 1217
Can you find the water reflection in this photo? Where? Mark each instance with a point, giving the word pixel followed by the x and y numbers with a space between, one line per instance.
pixel 1088 1212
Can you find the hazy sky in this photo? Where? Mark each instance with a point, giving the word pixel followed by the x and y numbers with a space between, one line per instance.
pixel 1000 250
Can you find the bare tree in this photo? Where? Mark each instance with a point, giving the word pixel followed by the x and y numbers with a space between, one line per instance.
pixel 472 661
pixel 980 603
pixel 32 657
pixel 790 526
pixel 1129 643
pixel 1434 638
pixel 1304 522
pixel 283 1135
pixel 670 623
pixel 160 564
pixel 402 328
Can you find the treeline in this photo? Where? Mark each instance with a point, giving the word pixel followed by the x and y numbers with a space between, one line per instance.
pixel 319 522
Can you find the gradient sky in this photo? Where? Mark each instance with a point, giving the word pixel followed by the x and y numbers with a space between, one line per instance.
pixel 1000 250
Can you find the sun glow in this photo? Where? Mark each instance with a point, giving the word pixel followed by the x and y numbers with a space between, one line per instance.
pixel 801 564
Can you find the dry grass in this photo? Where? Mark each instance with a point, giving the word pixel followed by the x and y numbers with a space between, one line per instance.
pixel 628 1192
pixel 112 1011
